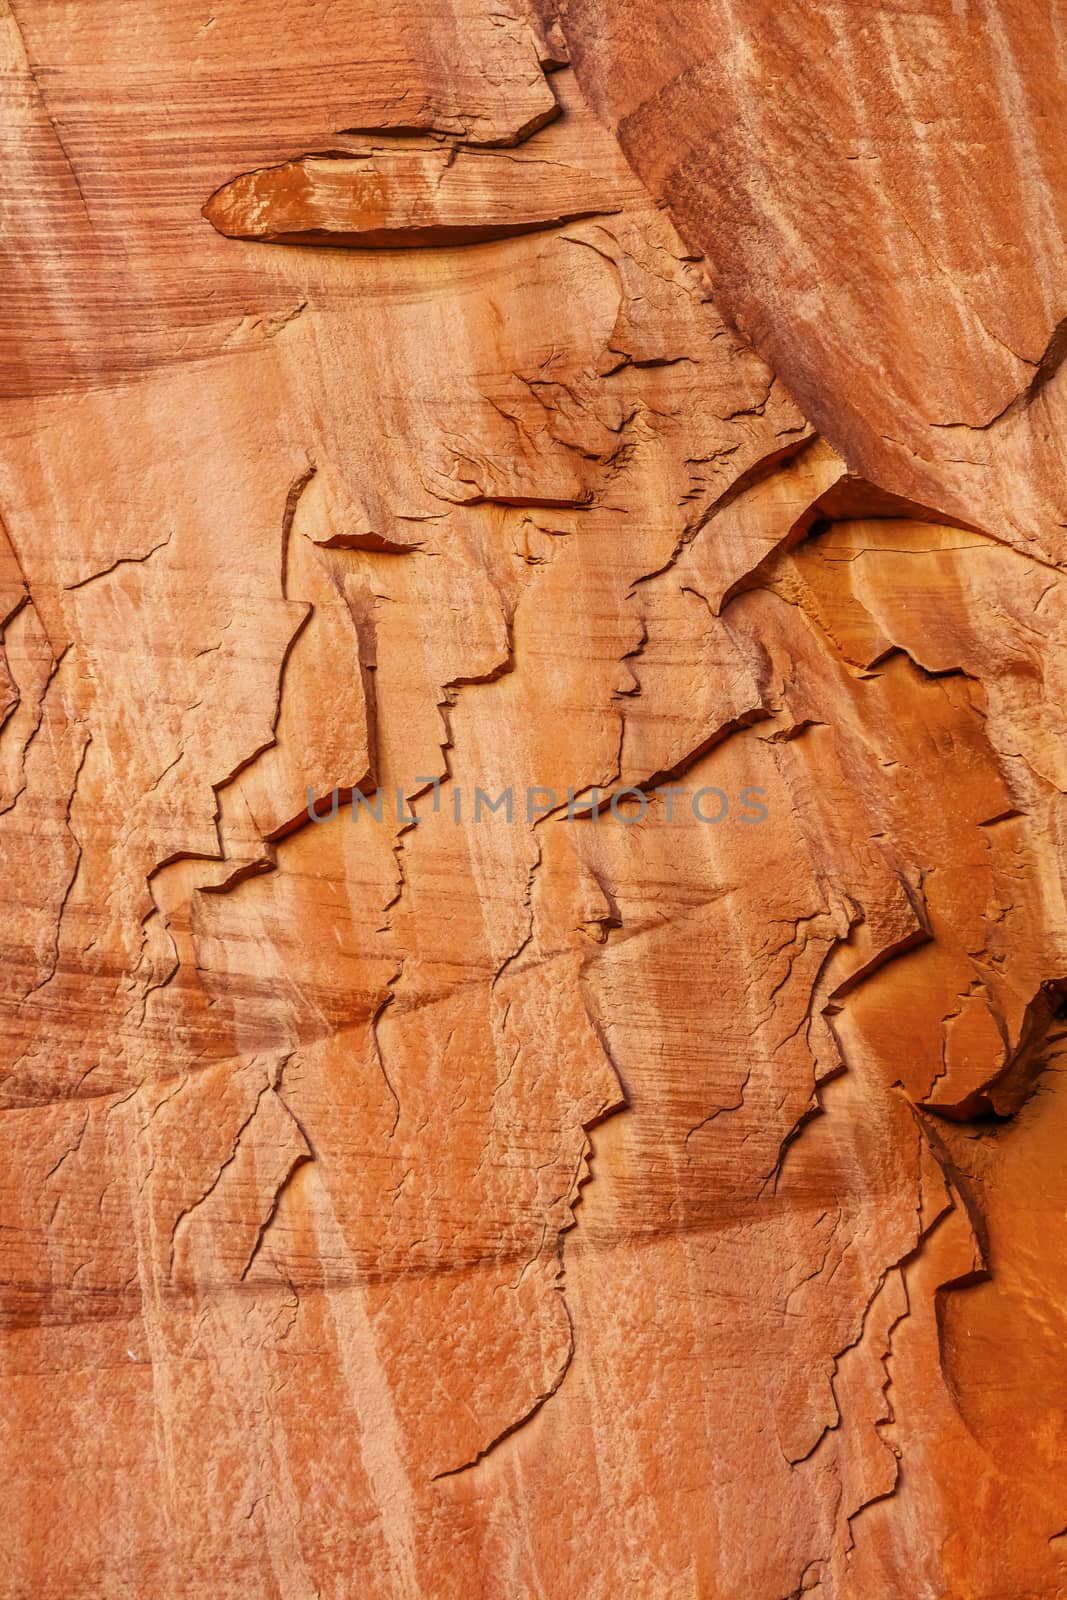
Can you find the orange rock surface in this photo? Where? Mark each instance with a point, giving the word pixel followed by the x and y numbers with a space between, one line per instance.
pixel 532 800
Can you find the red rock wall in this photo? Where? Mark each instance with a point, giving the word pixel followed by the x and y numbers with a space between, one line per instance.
pixel 653 1194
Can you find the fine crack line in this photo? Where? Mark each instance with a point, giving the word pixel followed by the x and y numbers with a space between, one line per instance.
pixel 120 561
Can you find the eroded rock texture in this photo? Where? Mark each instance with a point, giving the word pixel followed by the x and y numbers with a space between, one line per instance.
pixel 657 1194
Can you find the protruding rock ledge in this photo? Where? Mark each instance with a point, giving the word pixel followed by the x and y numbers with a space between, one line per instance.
pixel 407 198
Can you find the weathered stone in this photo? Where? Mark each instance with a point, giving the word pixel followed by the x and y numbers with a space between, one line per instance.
pixel 534 932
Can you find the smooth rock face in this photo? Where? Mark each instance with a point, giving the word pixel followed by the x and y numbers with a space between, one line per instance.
pixel 430 1171
pixel 881 193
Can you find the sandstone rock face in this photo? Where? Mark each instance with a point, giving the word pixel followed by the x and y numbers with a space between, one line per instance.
pixel 532 801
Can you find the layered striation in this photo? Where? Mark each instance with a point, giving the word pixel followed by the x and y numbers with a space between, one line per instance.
pixel 531 793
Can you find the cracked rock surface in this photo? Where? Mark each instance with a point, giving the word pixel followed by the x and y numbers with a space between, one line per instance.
pixel 532 801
